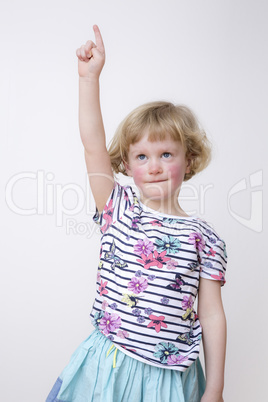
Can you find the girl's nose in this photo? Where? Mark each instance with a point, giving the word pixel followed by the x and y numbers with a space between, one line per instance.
pixel 155 167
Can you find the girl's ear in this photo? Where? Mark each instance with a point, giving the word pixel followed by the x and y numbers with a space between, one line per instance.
pixel 127 168
pixel 189 164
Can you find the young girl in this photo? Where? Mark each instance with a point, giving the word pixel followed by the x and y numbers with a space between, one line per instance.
pixel 154 260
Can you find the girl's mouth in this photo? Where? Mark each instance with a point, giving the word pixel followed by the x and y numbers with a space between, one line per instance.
pixel 156 181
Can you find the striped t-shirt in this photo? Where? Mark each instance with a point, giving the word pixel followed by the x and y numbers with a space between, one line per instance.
pixel 148 278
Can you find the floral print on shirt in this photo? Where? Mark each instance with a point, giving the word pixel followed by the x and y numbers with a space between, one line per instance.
pixel 137 285
pixel 144 246
pixel 143 255
pixel 157 322
pixel 169 244
pixel 109 322
pixel 197 239
pixel 155 259
pixel 168 353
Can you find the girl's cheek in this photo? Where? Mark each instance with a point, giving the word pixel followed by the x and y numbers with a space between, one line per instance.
pixel 138 175
pixel 176 172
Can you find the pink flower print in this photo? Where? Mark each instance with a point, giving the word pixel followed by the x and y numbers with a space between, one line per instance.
pixel 172 264
pixel 187 302
pixel 157 322
pixel 219 277
pixel 156 223
pixel 147 261
pixel 98 276
pixel 197 239
pixel 104 305
pixel 176 359
pixel 131 208
pixel 107 215
pixel 160 258
pixel 155 259
pixel 137 285
pixel 108 211
pixel 211 252
pixel 144 247
pixel 102 289
pixel 109 323
pixel 122 334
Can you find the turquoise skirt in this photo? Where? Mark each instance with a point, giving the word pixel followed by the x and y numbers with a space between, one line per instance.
pixel 99 372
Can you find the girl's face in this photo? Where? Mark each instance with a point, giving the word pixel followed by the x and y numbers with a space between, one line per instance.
pixel 158 170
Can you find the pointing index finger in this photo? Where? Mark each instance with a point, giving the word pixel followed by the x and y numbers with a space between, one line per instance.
pixel 98 38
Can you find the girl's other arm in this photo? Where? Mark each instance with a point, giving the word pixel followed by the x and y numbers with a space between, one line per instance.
pixel 91 59
pixel 212 318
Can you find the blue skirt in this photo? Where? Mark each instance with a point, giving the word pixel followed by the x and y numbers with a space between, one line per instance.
pixel 99 372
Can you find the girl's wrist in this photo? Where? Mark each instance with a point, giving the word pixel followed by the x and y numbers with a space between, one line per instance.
pixel 210 398
pixel 212 395
pixel 93 78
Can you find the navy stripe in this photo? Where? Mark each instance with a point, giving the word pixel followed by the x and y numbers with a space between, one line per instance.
pixel 155 337
pixel 162 328
pixel 142 298
pixel 176 293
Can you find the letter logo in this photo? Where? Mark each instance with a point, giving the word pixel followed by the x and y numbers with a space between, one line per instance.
pixel 256 201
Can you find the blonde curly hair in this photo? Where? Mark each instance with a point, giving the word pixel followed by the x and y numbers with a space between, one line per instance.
pixel 162 120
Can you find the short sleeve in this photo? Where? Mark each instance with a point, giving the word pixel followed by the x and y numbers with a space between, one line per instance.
pixel 117 200
pixel 212 255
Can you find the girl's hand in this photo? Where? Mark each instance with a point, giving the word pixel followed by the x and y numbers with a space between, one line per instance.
pixel 91 56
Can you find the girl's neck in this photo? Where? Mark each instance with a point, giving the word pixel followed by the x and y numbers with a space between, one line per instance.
pixel 165 207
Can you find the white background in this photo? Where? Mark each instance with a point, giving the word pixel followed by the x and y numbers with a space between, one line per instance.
pixel 210 55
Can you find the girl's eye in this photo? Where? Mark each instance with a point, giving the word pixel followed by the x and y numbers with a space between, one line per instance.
pixel 166 155
pixel 141 157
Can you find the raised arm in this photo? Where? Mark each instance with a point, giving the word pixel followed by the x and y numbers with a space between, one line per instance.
pixel 91 59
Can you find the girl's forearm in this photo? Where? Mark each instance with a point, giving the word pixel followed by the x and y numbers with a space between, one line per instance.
pixel 214 343
pixel 90 117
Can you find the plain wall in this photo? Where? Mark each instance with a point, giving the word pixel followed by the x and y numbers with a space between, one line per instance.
pixel 209 55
